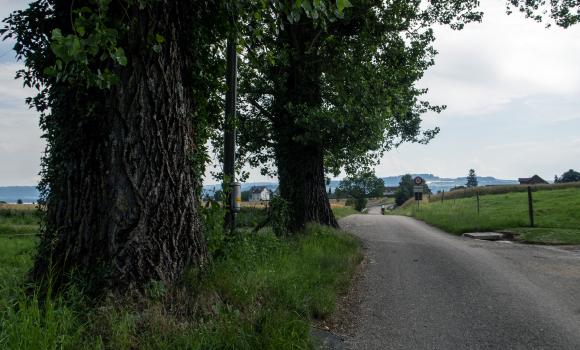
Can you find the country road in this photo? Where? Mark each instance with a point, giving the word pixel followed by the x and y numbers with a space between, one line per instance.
pixel 426 289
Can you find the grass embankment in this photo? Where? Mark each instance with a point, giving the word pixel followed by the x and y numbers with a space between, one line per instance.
pixel 557 218
pixel 260 292
pixel 341 212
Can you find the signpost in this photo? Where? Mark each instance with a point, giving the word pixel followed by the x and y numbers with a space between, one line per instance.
pixel 418 189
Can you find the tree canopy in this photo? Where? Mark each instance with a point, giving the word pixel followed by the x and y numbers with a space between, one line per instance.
pixel 563 13
pixel 569 176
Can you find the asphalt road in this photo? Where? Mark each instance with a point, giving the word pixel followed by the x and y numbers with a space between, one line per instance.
pixel 426 289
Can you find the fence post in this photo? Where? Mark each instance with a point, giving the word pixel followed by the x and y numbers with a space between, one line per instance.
pixel 442 196
pixel 531 206
pixel 477 193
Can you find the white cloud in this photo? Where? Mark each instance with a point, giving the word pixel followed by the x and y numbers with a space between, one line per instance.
pixel 486 66
pixel 20 142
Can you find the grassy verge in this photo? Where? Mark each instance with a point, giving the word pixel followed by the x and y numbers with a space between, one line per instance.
pixel 556 215
pixel 341 212
pixel 17 220
pixel 262 292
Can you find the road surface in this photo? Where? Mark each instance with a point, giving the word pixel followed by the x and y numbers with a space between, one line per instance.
pixel 426 289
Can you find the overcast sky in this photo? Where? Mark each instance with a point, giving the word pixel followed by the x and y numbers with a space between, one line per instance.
pixel 512 88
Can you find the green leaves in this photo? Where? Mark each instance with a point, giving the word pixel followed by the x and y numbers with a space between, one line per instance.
pixel 92 40
pixel 119 56
pixel 342 4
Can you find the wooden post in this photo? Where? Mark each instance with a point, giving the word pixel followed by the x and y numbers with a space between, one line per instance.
pixel 477 193
pixel 442 196
pixel 531 206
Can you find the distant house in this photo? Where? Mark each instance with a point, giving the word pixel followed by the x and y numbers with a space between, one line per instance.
pixel 534 180
pixel 260 193
pixel 390 191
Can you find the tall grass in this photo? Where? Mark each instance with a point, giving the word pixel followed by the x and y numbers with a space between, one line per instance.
pixel 261 293
pixel 16 220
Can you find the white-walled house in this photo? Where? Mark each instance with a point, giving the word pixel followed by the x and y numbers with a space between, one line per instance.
pixel 260 193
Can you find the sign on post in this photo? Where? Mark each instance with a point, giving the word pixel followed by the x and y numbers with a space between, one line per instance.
pixel 418 188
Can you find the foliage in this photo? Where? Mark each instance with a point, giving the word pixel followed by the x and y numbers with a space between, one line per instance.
pixel 246 195
pixel 249 217
pixel 555 209
pixel 213 226
pixel 405 190
pixel 569 176
pixel 564 13
pixel 362 186
pixel 471 179
pixel 279 209
pixel 360 99
pixel 260 294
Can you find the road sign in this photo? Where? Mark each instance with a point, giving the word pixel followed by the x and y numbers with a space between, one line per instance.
pixel 418 180
pixel 418 189
pixel 418 196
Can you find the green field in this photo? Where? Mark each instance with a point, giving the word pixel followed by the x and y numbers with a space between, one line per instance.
pixel 18 219
pixel 259 292
pixel 557 215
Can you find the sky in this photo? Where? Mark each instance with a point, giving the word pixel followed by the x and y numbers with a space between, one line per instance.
pixel 511 86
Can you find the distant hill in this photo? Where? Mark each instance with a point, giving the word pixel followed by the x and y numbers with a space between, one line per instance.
pixel 434 182
pixel 437 183
pixel 28 194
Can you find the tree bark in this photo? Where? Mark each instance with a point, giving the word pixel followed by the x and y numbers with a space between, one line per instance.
pixel 121 207
pixel 299 156
pixel 303 184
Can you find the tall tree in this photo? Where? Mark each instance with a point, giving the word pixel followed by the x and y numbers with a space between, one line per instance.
pixel 569 176
pixel 330 85
pixel 471 179
pixel 405 190
pixel 125 96
pixel 362 186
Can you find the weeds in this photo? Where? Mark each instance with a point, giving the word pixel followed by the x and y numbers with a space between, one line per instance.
pixel 261 292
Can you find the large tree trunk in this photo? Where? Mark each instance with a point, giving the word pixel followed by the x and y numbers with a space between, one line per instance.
pixel 299 155
pixel 122 207
pixel 302 183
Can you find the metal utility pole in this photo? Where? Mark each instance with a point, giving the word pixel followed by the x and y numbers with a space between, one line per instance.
pixel 230 133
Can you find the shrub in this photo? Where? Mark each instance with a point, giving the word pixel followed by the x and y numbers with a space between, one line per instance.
pixel 360 203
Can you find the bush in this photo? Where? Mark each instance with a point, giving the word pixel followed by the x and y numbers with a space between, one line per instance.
pixel 360 203
pixel 251 217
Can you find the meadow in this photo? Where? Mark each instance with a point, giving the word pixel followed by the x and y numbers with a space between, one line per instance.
pixel 556 213
pixel 258 292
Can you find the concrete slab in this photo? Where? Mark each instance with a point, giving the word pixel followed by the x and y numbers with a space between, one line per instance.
pixel 487 236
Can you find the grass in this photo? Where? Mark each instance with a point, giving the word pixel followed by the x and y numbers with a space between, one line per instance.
pixel 341 212
pixel 18 219
pixel 556 214
pixel 250 217
pixel 262 293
